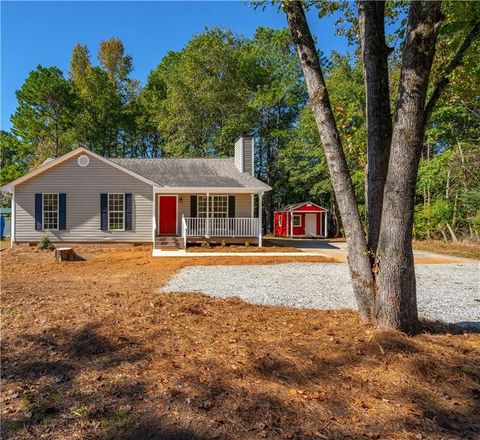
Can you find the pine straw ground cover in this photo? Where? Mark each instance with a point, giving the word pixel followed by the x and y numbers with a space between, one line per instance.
pixel 465 248
pixel 92 350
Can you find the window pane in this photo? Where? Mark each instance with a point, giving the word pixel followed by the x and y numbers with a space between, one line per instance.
pixel 50 211
pixel 202 206
pixel 218 206
pixel 115 211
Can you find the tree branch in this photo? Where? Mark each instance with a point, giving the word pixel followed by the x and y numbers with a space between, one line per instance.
pixel 444 80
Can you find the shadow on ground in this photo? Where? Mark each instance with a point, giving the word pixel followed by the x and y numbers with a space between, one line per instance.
pixel 297 392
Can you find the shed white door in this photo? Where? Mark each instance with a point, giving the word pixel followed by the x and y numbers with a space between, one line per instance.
pixel 311 225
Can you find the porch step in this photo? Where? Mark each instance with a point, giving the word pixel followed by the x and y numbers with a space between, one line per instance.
pixel 169 243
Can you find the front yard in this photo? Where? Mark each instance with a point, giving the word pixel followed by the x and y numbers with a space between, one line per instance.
pixel 92 350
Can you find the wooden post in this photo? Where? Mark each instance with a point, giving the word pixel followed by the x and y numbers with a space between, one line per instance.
pixel 12 219
pixel 325 231
pixel 260 222
pixel 154 217
pixel 291 223
pixel 207 221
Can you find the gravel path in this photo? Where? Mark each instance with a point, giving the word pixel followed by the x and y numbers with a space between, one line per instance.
pixel 446 292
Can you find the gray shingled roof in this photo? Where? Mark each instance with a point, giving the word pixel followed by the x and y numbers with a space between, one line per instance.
pixel 192 173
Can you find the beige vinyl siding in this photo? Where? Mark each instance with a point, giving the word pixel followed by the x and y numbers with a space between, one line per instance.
pixel 183 209
pixel 83 186
pixel 243 205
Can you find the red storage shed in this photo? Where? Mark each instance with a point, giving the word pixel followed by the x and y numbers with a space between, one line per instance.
pixel 305 219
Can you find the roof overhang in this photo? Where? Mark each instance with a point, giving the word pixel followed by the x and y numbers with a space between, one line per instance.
pixel 212 190
pixel 9 187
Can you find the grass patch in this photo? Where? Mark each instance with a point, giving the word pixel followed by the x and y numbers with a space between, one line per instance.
pixel 80 411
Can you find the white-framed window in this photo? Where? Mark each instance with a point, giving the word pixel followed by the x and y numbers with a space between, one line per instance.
pixel 297 220
pixel 116 211
pixel 50 210
pixel 202 206
pixel 280 218
pixel 218 206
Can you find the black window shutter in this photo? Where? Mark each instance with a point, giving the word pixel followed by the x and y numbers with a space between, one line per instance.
pixel 231 206
pixel 128 211
pixel 62 211
pixel 38 211
pixel 104 211
pixel 193 206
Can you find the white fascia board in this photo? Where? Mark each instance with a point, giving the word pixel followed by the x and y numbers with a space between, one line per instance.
pixel 42 168
pixel 306 203
pixel 212 190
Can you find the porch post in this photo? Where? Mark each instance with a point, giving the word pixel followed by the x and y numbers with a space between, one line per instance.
pixel 12 219
pixel 260 222
pixel 207 221
pixel 325 233
pixel 154 223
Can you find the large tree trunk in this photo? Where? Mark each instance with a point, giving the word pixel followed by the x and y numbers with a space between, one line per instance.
pixel 396 301
pixel 379 120
pixel 359 263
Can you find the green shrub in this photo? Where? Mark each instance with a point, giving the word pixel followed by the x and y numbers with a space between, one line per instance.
pixel 223 243
pixel 247 244
pixel 44 242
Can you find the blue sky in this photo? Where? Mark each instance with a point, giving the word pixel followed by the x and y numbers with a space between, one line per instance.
pixel 38 32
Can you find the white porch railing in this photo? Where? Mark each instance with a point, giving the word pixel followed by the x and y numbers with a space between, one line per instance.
pixel 220 227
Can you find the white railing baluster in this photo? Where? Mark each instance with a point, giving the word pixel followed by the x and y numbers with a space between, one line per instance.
pixel 221 227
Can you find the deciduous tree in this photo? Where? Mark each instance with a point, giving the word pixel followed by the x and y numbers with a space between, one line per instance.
pixel 384 287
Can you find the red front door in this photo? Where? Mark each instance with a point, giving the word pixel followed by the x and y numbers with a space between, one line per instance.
pixel 167 208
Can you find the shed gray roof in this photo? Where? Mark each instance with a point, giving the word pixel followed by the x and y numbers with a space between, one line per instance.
pixel 192 173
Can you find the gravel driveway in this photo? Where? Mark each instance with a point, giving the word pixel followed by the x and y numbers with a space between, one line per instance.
pixel 446 292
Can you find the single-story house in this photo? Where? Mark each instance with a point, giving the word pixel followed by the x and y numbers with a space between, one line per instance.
pixel 304 219
pixel 82 197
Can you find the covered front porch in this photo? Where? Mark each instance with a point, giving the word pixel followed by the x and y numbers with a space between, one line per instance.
pixel 180 219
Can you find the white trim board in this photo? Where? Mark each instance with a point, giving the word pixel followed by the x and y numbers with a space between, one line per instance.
pixel 211 190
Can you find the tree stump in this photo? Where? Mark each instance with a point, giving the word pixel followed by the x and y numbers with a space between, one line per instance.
pixel 65 254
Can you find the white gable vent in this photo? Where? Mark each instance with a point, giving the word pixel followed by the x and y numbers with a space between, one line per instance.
pixel 83 160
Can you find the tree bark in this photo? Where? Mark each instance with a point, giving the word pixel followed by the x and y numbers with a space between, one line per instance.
pixel 378 114
pixel 65 254
pixel 358 260
pixel 396 300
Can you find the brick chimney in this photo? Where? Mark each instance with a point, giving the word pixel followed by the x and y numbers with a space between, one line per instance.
pixel 244 156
